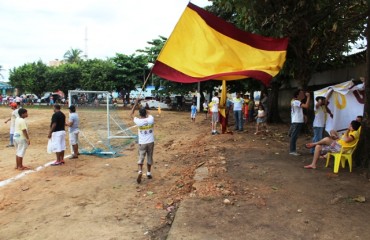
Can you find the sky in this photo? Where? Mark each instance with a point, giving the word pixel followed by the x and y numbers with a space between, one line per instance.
pixel 33 30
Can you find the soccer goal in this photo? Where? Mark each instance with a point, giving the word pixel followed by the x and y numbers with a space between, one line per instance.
pixel 102 130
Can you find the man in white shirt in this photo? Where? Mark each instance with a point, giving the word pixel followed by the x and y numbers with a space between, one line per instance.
pixel 319 121
pixel 73 123
pixel 145 124
pixel 238 103
pixel 12 118
pixel 214 110
pixel 297 118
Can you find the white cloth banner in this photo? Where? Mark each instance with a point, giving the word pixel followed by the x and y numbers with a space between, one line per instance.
pixel 346 102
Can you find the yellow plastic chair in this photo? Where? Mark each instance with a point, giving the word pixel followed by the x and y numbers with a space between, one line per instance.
pixel 344 155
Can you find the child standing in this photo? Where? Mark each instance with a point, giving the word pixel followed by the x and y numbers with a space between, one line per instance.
pixel 193 112
pixel 205 108
pixel 261 119
pixel 21 138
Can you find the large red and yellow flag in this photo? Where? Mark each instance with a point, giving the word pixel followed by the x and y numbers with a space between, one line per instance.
pixel 203 47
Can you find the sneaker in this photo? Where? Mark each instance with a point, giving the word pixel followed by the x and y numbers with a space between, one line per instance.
pixel 295 154
pixel 149 175
pixel 140 174
pixel 213 133
pixel 10 145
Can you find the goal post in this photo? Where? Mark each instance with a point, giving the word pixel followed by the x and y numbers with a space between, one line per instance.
pixel 101 128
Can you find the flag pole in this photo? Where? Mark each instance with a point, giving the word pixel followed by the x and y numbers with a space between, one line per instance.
pixel 146 80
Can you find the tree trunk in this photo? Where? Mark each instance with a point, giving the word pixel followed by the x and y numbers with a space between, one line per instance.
pixel 273 115
pixel 366 123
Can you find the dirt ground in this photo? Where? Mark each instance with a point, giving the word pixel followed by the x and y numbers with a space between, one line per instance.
pixel 270 195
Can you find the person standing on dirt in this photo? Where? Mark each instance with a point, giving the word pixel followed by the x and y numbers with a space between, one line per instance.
pixel 237 104
pixel 297 118
pixel 145 124
pixel 214 110
pixel 12 118
pixel 21 138
pixel 73 123
pixel 193 112
pixel 250 110
pixel 319 121
pixel 205 108
pixel 57 135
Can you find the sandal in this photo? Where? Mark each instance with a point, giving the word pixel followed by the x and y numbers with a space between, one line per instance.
pixel 57 163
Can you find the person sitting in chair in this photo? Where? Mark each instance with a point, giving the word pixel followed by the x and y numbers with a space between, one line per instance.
pixel 330 144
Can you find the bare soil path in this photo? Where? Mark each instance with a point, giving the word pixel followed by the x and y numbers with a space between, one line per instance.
pixel 271 195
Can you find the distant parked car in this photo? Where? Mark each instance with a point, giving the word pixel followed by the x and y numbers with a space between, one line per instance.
pixel 46 97
pixel 31 98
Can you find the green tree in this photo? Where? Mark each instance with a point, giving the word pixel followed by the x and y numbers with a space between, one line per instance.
pixel 319 31
pixel 98 75
pixel 130 71
pixel 30 77
pixel 64 77
pixel 73 56
pixel 366 123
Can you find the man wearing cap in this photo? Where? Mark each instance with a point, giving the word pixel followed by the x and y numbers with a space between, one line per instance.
pixel 321 110
pixel 145 124
pixel 73 123
pixel 12 118
pixel 57 135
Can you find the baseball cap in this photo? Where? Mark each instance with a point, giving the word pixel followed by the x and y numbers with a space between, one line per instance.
pixel 13 104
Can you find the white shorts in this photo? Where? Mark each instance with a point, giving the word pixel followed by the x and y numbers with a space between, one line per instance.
pixel 73 137
pixel 20 145
pixel 58 141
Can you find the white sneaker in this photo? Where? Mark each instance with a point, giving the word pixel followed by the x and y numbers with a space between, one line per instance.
pixel 295 154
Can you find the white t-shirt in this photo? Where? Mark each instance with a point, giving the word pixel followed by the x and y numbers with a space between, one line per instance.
pixel 261 113
pixel 145 129
pixel 20 125
pixel 73 117
pixel 13 117
pixel 215 102
pixel 238 104
pixel 296 111
pixel 320 117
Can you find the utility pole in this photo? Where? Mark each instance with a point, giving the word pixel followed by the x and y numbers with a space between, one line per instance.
pixel 85 55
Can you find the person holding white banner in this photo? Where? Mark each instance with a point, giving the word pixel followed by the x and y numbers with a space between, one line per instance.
pixel 328 144
pixel 297 118
pixel 321 110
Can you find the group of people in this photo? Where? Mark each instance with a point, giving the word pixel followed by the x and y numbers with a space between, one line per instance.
pixel 320 145
pixel 20 138
pixel 243 111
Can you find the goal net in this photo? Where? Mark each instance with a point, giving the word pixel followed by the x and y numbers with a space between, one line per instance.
pixel 102 131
